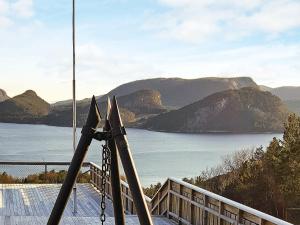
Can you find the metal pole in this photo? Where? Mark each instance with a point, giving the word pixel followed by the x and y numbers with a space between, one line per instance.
pixel 114 174
pixel 76 163
pixel 74 100
pixel 128 165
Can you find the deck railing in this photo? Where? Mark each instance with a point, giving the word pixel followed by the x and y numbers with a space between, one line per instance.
pixel 187 204
pixel 21 169
pixel 177 200
pixel 127 200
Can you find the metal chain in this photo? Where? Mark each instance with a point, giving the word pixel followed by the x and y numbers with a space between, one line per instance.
pixel 105 173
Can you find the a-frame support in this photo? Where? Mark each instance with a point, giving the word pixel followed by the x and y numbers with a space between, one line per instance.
pixel 114 133
pixel 128 165
pixel 114 173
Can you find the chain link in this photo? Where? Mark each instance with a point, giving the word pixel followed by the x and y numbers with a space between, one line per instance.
pixel 105 173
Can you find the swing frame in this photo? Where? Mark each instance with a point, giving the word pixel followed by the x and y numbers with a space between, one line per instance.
pixel 115 134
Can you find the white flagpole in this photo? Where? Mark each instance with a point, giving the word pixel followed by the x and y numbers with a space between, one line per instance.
pixel 74 99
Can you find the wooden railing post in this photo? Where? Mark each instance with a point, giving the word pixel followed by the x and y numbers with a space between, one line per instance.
pixel 221 207
pixel 126 200
pixel 205 217
pixel 158 200
pixel 169 199
pixel 99 178
pixel 239 216
pixel 94 174
pixel 91 175
pixel 46 171
pixel 180 205
pixel 192 208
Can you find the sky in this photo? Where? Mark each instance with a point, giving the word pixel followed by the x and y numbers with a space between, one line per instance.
pixel 119 41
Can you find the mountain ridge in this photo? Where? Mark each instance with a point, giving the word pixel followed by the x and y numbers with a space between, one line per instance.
pixel 23 108
pixel 286 93
pixel 139 104
pixel 244 110
pixel 3 95
pixel 137 107
pixel 190 89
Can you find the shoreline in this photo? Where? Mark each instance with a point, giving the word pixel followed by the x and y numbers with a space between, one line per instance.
pixel 159 131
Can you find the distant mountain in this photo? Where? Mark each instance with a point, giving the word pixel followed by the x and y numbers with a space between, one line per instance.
pixel 3 95
pixel 285 92
pixel 134 106
pixel 244 110
pixel 69 102
pixel 62 103
pixel 142 102
pixel 293 106
pixel 25 108
pixel 178 92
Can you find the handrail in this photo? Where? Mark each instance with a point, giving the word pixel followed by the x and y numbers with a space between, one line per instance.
pixel 95 171
pixel 233 203
pixel 187 204
pixel 40 163
pixel 123 183
pixel 240 206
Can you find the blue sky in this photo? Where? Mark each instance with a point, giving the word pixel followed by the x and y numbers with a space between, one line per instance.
pixel 124 40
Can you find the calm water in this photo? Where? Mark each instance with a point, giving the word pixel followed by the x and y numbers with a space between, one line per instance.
pixel 157 155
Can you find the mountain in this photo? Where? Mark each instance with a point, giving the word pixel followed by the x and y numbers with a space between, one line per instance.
pixel 243 110
pixel 293 106
pixel 178 92
pixel 25 108
pixel 285 92
pixel 137 105
pixel 3 95
pixel 142 102
pixel 69 102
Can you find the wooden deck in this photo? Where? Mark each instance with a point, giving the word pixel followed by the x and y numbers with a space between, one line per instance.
pixel 22 204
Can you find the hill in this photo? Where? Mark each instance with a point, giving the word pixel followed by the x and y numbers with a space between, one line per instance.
pixel 25 108
pixel 142 102
pixel 293 106
pixel 68 103
pixel 178 92
pixel 244 110
pixel 3 95
pixel 134 106
pixel 285 92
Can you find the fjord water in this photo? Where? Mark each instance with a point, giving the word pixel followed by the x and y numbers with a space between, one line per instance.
pixel 157 155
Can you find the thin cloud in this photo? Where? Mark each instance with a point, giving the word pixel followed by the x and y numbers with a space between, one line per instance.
pixel 265 64
pixel 10 11
pixel 110 57
pixel 196 21
pixel 23 8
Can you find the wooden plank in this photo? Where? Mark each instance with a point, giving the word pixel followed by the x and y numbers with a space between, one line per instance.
pixel 31 204
pixel 37 220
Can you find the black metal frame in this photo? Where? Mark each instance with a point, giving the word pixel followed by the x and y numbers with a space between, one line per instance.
pixel 114 133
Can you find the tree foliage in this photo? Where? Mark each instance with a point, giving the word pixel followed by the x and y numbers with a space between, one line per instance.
pixel 39 178
pixel 268 180
pixel 151 190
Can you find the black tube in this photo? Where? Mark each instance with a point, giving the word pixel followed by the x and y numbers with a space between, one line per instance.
pixel 128 165
pixel 76 163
